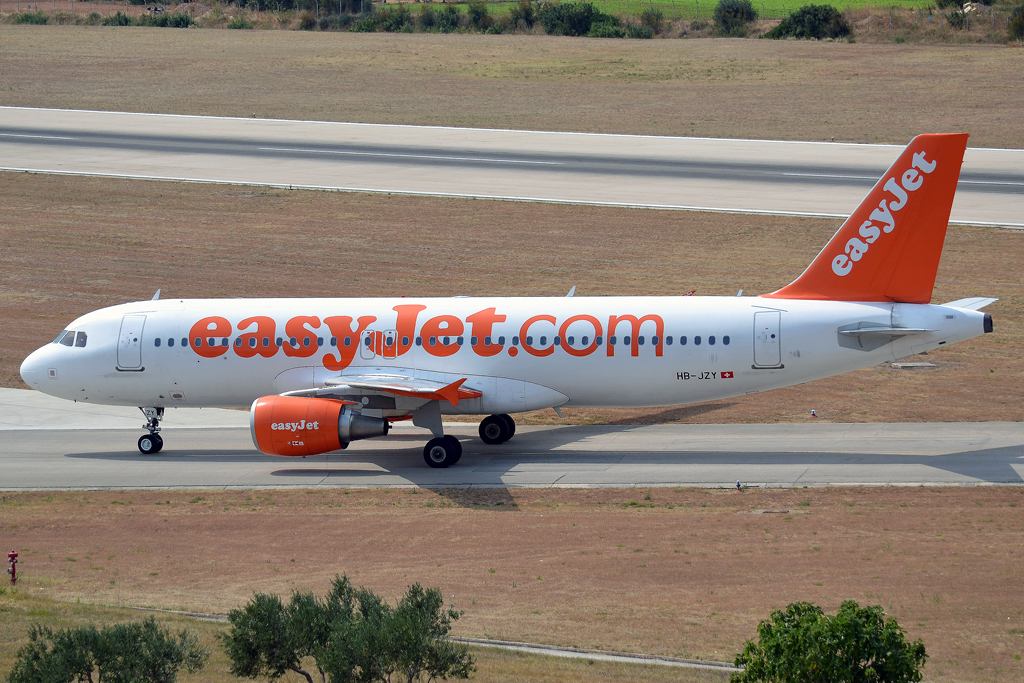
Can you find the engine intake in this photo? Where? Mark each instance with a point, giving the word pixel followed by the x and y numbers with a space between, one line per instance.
pixel 295 426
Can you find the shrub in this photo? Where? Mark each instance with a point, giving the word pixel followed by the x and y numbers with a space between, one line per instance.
pixel 337 22
pixel 448 19
pixel 732 16
pixel 395 18
pixel 427 18
pixel 957 18
pixel 118 19
pixel 239 22
pixel 653 18
pixel 523 15
pixel 39 18
pixel 802 643
pixel 307 21
pixel 365 25
pixel 812 21
pixel 638 31
pixel 567 18
pixel 1015 29
pixel 478 16
pixel 164 20
pixel 607 29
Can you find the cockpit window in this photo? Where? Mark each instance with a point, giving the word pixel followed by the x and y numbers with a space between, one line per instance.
pixel 67 338
pixel 81 339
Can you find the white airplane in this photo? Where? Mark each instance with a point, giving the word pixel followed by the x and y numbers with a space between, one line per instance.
pixel 321 373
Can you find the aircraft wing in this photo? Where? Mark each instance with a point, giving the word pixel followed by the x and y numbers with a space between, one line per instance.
pixel 398 385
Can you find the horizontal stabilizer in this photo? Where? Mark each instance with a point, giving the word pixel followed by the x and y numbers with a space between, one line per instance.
pixel 974 303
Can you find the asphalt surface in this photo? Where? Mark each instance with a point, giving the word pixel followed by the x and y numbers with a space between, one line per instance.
pixel 48 443
pixel 755 176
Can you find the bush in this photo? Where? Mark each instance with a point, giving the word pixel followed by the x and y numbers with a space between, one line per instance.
pixel 653 18
pixel 568 18
pixel 118 19
pixel 394 19
pixel 365 25
pixel 731 15
pixel 140 652
pixel 448 19
pixel 427 18
pixel 239 22
pixel 606 30
pixel 478 16
pixel 523 15
pixel 39 18
pixel 802 643
pixel 307 21
pixel 637 31
pixel 337 22
pixel 1015 28
pixel 165 20
pixel 956 19
pixel 812 21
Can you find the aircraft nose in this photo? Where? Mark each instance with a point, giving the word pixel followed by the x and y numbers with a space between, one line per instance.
pixel 32 369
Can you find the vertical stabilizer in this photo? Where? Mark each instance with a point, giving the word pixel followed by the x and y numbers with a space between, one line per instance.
pixel 889 248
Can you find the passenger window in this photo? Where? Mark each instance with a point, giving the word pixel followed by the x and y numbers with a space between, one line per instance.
pixel 668 340
pixel 210 342
pixel 582 341
pixel 198 342
pixel 654 340
pixel 529 340
pixel 571 340
pixel 405 341
pixel 81 340
pixel 459 341
pixel 473 341
pixel 367 342
pixel 597 340
pixel 682 340
pixel 238 341
pixel 501 341
pixel 319 341
pixel 446 341
pixel 543 341
pixel 515 341
pixel 348 341
pixel 433 341
pixel 68 339
pixel 305 341
pixel 184 342
pixel 170 342
pixel 558 340
pixel 625 341
pixel 252 342
pixel 711 340
pixel 612 340
pixel 725 340
pixel 640 340
pixel 487 341
pixel 334 341
pixel 696 340
pixel 156 342
pixel 419 341
pixel 280 341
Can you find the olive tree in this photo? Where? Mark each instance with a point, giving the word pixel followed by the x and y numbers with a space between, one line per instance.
pixel 802 644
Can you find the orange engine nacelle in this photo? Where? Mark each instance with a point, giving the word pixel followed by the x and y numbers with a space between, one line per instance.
pixel 290 425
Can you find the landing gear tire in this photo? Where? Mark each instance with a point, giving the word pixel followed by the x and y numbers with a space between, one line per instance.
pixel 495 429
pixel 150 444
pixel 511 425
pixel 457 446
pixel 442 452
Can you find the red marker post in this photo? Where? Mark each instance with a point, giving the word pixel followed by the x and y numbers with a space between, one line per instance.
pixel 13 571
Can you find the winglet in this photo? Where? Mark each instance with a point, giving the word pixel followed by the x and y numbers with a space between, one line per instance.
pixel 889 247
pixel 451 392
pixel 156 296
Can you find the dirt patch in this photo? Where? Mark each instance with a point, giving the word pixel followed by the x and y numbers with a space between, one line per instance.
pixel 682 572
pixel 715 87
pixel 72 245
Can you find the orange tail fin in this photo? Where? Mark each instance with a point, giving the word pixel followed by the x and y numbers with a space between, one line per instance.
pixel 889 248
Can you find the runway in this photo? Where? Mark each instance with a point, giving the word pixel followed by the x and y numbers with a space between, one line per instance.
pixel 749 176
pixel 47 443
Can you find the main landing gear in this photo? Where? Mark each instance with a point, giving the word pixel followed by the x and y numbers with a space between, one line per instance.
pixel 497 429
pixel 151 443
pixel 442 451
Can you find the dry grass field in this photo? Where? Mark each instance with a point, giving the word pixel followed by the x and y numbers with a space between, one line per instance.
pixel 680 572
pixel 800 90
pixel 71 245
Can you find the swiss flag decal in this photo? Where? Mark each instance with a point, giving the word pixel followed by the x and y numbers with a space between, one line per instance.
pixel 726 375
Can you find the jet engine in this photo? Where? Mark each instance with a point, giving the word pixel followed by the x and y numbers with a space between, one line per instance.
pixel 290 425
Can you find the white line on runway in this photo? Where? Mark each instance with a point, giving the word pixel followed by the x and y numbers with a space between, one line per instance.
pixel 463 195
pixel 41 137
pixel 409 156
pixel 825 175
pixel 990 182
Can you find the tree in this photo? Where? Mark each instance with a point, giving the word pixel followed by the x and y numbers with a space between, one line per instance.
pixel 125 653
pixel 732 17
pixel 351 636
pixel 804 645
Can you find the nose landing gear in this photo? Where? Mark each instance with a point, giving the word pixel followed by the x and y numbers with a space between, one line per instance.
pixel 151 443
